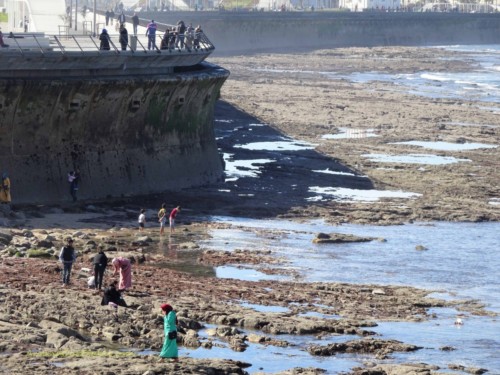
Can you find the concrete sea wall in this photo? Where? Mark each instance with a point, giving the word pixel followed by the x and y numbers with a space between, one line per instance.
pixel 238 32
pixel 127 135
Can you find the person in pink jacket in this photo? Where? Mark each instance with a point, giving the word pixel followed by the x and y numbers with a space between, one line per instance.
pixel 124 267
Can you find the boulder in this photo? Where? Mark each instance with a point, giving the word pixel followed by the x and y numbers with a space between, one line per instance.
pixel 45 244
pixel 5 236
pixel 55 339
pixel 64 330
pixel 339 238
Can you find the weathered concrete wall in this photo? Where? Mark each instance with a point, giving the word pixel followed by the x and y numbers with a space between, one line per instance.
pixel 233 32
pixel 129 136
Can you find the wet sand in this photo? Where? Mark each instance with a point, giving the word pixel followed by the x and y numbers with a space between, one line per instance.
pixel 288 92
pixel 71 333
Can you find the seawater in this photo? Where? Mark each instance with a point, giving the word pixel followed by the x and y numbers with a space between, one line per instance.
pixel 481 84
pixel 461 262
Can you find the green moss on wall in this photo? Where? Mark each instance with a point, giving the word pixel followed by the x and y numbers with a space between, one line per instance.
pixel 154 113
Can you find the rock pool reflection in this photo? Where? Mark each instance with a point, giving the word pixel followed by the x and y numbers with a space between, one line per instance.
pixel 461 261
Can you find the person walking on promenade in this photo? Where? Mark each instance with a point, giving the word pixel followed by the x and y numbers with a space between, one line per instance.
pixel 100 262
pixel 107 15
pixel 162 217
pixel 169 348
pixel 5 189
pixel 111 16
pixel 121 18
pixel 142 219
pixel 67 257
pixel 151 34
pixel 171 218
pixel 124 268
pixel 104 38
pixel 123 37
pixel 135 22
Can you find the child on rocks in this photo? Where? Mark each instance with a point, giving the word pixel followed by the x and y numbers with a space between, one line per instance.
pixel 142 219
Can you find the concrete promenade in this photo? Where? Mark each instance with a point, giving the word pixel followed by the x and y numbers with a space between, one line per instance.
pixel 243 32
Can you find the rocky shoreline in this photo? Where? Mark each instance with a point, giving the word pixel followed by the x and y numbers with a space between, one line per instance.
pixel 48 329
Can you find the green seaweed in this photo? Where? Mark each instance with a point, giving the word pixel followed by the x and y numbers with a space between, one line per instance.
pixel 81 354
pixel 35 253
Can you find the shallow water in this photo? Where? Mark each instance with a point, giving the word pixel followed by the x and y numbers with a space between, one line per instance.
pixel 461 261
pixel 414 159
pixel 482 84
pixel 446 146
pixel 348 195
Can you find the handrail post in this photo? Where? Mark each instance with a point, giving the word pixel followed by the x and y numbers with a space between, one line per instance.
pixel 36 40
pixel 18 46
pixel 78 44
pixel 59 44
pixel 95 44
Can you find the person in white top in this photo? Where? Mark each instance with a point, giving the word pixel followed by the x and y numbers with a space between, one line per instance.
pixel 142 219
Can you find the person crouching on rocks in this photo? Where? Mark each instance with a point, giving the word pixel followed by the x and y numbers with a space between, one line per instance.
pixel 123 266
pixel 169 349
pixel 112 297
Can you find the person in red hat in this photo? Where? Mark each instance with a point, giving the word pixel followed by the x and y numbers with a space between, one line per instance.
pixel 169 349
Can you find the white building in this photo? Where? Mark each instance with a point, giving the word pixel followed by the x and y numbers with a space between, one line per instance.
pixel 360 5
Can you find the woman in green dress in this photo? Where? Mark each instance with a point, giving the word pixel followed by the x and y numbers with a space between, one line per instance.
pixel 169 349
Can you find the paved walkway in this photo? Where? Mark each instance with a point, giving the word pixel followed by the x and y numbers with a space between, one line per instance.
pixel 46 16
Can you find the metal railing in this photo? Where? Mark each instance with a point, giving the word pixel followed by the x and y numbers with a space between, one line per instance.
pixel 38 42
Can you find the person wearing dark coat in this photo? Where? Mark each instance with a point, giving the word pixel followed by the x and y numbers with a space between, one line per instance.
pixel 165 40
pixel 107 15
pixel 123 37
pixel 104 38
pixel 135 22
pixel 112 297
pixel 100 263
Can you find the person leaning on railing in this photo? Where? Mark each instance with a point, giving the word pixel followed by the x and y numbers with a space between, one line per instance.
pixel 123 37
pixel 165 39
pixel 2 44
pixel 151 34
pixel 197 35
pixel 104 38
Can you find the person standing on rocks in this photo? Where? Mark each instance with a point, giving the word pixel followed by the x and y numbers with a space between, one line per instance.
pixel 67 257
pixel 142 219
pixel 169 349
pixel 171 218
pixel 100 262
pixel 162 217
pixel 73 179
pixel 5 189
pixel 124 267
